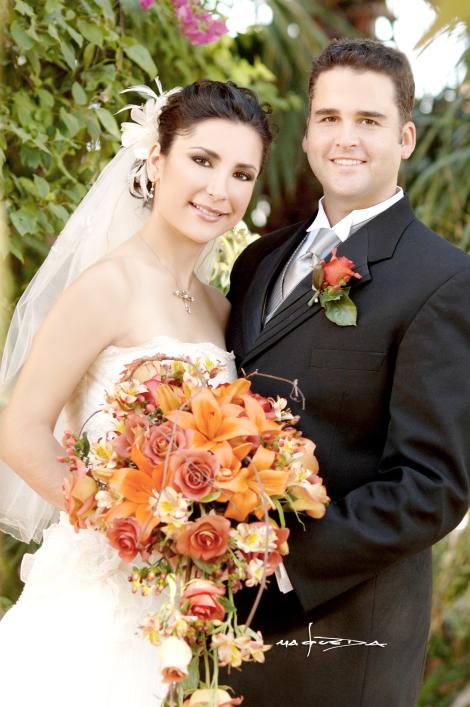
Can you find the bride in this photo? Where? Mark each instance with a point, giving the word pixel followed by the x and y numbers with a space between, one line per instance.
pixel 119 283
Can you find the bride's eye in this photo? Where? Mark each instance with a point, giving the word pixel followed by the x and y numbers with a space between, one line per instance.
pixel 243 176
pixel 201 160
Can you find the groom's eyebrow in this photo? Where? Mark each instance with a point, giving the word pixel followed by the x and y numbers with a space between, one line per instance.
pixel 362 113
pixel 215 156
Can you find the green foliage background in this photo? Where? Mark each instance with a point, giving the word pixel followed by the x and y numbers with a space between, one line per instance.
pixel 63 66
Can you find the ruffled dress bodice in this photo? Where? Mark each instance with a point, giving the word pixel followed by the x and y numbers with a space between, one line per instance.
pixel 89 395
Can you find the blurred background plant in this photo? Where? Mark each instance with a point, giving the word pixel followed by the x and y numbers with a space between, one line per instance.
pixel 62 67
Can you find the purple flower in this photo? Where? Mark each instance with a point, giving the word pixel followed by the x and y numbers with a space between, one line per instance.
pixel 145 4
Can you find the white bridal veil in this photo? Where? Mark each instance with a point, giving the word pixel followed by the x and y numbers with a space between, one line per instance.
pixel 107 216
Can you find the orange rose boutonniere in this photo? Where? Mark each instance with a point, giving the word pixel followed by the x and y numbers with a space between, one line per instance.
pixel 329 285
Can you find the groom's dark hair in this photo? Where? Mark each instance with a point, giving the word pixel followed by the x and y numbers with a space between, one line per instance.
pixel 369 55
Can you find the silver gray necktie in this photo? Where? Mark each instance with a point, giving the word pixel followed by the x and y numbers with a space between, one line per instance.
pixel 299 267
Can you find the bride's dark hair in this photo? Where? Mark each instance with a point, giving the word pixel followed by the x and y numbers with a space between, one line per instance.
pixel 199 101
pixel 205 99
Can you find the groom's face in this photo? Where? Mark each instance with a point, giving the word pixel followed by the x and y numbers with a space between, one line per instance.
pixel 355 140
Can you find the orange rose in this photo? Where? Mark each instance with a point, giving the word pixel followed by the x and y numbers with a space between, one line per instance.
pixel 205 539
pixel 124 535
pixel 194 473
pixel 156 442
pixel 338 270
pixel 201 594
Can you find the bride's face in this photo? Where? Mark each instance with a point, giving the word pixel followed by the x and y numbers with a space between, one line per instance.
pixel 205 183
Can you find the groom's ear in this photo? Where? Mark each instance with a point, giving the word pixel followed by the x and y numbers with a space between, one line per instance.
pixel 153 163
pixel 408 140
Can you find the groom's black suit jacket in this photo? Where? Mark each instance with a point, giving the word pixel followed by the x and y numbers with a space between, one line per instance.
pixel 388 405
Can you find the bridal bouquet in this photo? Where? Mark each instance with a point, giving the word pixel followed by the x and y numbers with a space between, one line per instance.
pixel 191 482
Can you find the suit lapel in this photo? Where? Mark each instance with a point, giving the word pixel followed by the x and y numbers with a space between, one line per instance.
pixel 260 285
pixel 375 241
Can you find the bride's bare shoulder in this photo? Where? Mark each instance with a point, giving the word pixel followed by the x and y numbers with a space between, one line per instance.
pixel 112 276
pixel 220 304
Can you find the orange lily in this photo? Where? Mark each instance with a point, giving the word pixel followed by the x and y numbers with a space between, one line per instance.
pixel 258 417
pixel 228 392
pixel 137 488
pixel 245 493
pixel 211 423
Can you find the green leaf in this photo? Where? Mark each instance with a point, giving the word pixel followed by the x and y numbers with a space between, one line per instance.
pixel 79 95
pixel 33 58
pixel 108 122
pixel 52 29
pixel 204 566
pixel 75 35
pixel 69 55
pixel 226 603
pixel 92 33
pixel 141 56
pixel 42 186
pixel 23 8
pixel 210 497
pixel 23 220
pixel 23 41
pixel 71 123
pixel 332 295
pixel 46 98
pixel 30 157
pixel 59 211
pixel 192 681
pixel 23 108
pixel 93 127
pixel 342 312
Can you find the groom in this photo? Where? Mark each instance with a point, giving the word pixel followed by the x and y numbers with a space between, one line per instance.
pixel 387 401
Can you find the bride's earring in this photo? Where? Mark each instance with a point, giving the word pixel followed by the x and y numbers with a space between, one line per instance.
pixel 152 191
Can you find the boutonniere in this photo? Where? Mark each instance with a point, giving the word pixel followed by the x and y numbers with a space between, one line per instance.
pixel 329 285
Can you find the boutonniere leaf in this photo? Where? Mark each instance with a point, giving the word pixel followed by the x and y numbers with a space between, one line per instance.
pixel 329 286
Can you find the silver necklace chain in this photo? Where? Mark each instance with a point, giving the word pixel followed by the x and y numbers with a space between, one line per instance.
pixel 183 294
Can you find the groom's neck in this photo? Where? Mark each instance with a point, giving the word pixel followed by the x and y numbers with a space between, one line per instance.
pixel 337 209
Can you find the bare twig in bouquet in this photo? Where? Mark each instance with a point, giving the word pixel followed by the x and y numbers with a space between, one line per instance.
pixel 295 395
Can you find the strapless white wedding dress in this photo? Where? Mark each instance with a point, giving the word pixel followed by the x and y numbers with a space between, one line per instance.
pixel 72 638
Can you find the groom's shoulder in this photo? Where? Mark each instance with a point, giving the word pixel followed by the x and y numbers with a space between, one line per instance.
pixel 263 245
pixel 427 244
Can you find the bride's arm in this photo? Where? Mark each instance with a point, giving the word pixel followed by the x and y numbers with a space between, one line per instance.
pixel 89 315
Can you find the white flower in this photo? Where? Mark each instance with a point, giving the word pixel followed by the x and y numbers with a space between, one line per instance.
pixel 175 656
pixel 254 572
pixel 141 134
pixel 252 538
pixel 170 506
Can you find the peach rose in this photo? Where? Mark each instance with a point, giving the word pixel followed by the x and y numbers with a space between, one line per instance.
pixel 124 535
pixel 218 698
pixel 79 494
pixel 175 656
pixel 338 270
pixel 205 539
pixel 194 473
pixel 311 498
pixel 156 442
pixel 122 444
pixel 201 594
